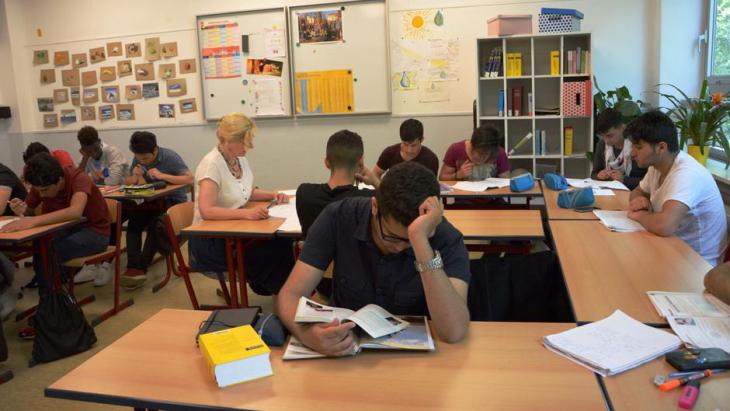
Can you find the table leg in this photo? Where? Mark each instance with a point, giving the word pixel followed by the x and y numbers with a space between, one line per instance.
pixel 231 272
pixel 240 249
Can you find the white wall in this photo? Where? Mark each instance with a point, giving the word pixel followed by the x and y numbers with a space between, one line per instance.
pixel 626 51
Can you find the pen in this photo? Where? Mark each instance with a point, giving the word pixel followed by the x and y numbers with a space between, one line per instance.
pixel 685 373
pixel 672 384
pixel 271 204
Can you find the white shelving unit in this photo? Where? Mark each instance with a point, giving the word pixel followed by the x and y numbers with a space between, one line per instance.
pixel 546 91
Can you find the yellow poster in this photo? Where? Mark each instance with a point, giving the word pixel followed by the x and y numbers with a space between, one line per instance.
pixel 324 92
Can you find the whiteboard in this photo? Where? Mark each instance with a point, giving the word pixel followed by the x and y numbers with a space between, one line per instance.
pixel 226 89
pixel 364 51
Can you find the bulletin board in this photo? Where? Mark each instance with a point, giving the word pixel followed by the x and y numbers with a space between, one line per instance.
pixel 340 58
pixel 244 61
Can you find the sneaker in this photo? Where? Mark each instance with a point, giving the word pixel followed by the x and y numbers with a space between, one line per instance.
pixel 133 278
pixel 87 273
pixel 103 274
pixel 8 300
pixel 27 333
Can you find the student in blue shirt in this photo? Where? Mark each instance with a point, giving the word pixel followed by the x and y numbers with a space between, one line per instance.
pixel 151 163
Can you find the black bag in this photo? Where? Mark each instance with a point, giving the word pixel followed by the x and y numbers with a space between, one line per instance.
pixel 159 233
pixel 520 287
pixel 61 329
pixel 3 344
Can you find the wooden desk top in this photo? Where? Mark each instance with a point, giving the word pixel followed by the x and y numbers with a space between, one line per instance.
pixel 605 270
pixel 619 201
pixel 33 233
pixel 536 191
pixel 159 193
pixel 236 228
pixel 500 365
pixel 497 224
pixel 634 390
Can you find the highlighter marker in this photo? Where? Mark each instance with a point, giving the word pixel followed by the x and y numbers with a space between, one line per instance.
pixel 689 395
pixel 672 384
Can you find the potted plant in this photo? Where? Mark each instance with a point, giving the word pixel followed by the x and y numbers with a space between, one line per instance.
pixel 619 99
pixel 700 122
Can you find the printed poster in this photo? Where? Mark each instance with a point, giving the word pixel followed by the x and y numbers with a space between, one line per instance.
pixel 324 92
pixel 221 54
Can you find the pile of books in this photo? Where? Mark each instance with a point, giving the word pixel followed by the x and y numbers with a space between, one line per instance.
pixel 579 61
pixel 514 64
pixel 493 68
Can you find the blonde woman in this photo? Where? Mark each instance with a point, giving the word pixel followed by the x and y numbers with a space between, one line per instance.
pixel 225 185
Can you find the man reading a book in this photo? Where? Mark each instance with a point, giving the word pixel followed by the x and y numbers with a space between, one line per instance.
pixel 395 250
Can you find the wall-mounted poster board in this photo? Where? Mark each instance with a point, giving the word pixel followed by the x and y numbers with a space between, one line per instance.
pixel 244 63
pixel 340 58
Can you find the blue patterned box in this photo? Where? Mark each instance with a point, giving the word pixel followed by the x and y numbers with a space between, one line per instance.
pixel 557 23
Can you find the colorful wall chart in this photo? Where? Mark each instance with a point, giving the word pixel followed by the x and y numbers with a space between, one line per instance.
pixel 221 49
pixel 324 92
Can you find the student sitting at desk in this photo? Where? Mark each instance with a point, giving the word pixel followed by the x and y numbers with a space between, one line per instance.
pixel 395 250
pixel 410 148
pixel 63 157
pixel 717 282
pixel 677 196
pixel 225 185
pixel 10 187
pixel 151 163
pixel 66 194
pixel 612 156
pixel 105 164
pixel 476 159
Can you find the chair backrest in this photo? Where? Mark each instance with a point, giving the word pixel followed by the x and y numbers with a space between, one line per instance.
pixel 181 216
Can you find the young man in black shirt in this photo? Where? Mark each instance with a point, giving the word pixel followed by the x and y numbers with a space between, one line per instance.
pixel 410 148
pixel 10 187
pixel 395 250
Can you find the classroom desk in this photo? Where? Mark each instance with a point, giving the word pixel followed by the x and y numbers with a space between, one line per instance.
pixel 605 271
pixel 498 366
pixel 157 194
pixel 635 390
pixel 619 201
pixel 536 191
pixel 497 224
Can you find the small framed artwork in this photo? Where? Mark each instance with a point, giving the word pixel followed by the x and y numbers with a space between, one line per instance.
pixel 166 110
pixel 152 48
pixel 48 76
pixel 88 78
pixel 169 49
pixel 70 78
pixel 45 104
pixel 144 72
pixel 91 95
pixel 125 112
pixel 133 92
pixel 75 96
pixel 187 66
pixel 133 50
pixel 188 105
pixel 88 113
pixel 79 60
pixel 50 120
pixel 60 95
pixel 106 112
pixel 97 55
pixel 177 87
pixel 108 73
pixel 167 71
pixel 68 116
pixel 124 68
pixel 150 90
pixel 114 49
pixel 110 94
pixel 40 57
pixel 61 58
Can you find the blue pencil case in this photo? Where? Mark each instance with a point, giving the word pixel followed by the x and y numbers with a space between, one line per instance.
pixel 555 181
pixel 578 198
pixel 521 183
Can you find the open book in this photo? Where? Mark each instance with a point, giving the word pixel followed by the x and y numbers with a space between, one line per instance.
pixel 618 221
pixel 482 185
pixel 700 320
pixel 589 182
pixel 613 345
pixel 377 329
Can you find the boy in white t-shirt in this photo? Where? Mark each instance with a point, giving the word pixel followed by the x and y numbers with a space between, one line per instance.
pixel 677 196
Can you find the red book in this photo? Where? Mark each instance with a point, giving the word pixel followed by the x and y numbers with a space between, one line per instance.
pixel 517 101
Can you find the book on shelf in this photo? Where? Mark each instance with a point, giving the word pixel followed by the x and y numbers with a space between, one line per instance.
pixel 700 320
pixel 554 62
pixel 613 345
pixel 568 141
pixel 514 64
pixel 517 101
pixel 500 106
pixel 538 146
pixel 547 111
pixel 497 66
pixel 530 104
pixel 377 329
pixel 236 355
pixel 543 142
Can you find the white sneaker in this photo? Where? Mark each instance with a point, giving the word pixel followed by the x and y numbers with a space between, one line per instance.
pixel 8 300
pixel 87 273
pixel 103 274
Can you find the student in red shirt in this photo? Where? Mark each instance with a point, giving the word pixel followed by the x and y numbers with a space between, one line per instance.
pixel 65 194
pixel 62 156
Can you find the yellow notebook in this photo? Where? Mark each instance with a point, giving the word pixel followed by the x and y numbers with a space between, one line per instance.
pixel 236 355
pixel 554 62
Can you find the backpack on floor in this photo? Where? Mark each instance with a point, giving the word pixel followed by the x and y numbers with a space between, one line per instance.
pixel 61 329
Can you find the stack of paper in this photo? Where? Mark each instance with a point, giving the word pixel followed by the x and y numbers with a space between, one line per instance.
pixel 699 320
pixel 613 345
pixel 289 212
pixel 618 221
pixel 5 222
pixel 587 182
pixel 477 186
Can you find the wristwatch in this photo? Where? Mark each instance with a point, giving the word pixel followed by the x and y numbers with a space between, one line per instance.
pixel 433 264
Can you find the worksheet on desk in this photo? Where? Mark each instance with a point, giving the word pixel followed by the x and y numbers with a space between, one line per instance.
pixel 3 223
